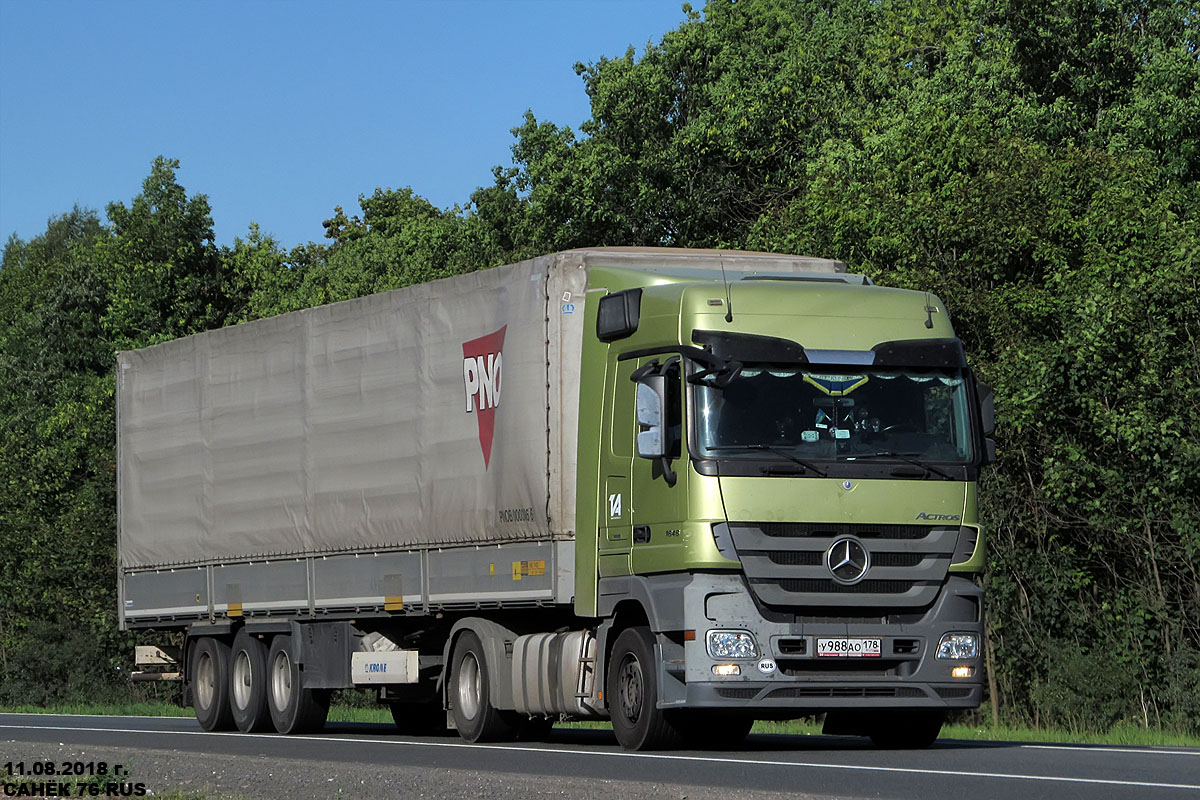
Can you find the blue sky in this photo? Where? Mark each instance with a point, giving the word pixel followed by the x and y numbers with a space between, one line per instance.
pixel 280 111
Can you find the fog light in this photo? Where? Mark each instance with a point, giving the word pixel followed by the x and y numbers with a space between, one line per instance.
pixel 731 644
pixel 958 646
pixel 726 670
pixel 962 672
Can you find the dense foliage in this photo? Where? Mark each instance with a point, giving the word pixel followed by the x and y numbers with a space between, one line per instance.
pixel 1037 164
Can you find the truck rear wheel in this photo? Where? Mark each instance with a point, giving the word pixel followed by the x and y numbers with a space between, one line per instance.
pixel 632 694
pixel 248 683
pixel 907 730
pixel 470 695
pixel 294 708
pixel 209 681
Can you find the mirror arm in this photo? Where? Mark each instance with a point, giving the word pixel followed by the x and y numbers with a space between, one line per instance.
pixel 668 474
pixel 644 370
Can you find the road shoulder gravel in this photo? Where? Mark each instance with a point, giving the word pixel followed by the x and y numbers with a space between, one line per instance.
pixel 251 777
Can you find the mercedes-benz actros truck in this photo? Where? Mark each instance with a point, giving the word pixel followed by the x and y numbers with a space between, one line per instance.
pixel 682 490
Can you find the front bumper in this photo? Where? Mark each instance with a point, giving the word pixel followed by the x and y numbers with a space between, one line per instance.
pixel 786 675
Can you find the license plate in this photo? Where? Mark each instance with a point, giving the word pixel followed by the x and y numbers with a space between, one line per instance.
pixel 848 648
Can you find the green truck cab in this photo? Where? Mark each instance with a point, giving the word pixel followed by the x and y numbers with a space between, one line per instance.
pixel 782 489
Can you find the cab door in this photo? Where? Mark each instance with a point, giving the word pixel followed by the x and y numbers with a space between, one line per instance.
pixel 616 462
pixel 659 490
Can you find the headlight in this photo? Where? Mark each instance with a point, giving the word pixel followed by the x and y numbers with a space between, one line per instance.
pixel 958 646
pixel 731 644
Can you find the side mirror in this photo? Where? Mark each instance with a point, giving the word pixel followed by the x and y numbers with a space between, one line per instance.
pixel 651 404
pixel 987 407
pixel 617 315
pixel 987 419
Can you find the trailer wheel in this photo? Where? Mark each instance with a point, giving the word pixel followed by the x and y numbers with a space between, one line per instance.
pixel 248 683
pixel 470 697
pixel 632 694
pixel 209 680
pixel 907 730
pixel 294 708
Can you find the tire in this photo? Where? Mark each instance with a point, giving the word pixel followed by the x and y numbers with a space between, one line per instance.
pixel 419 719
pixel 631 691
pixel 470 696
pixel 248 683
pixel 907 730
pixel 209 679
pixel 294 708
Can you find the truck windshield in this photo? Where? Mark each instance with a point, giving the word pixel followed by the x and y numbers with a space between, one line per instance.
pixel 823 414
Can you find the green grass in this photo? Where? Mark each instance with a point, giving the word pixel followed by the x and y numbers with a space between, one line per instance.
pixel 1127 735
pixel 336 714
pixel 351 714
pixel 93 709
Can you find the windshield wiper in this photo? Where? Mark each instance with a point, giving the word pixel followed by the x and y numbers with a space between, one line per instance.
pixel 905 457
pixel 777 451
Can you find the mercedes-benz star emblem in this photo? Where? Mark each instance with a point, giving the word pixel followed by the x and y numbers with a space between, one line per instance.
pixel 847 560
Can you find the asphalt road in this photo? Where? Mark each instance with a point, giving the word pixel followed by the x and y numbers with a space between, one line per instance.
pixel 577 762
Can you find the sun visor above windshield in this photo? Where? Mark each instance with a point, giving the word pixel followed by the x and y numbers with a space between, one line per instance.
pixel 920 353
pixel 749 348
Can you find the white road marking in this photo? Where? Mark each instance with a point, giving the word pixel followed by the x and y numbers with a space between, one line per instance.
pixel 621 754
pixel 1110 749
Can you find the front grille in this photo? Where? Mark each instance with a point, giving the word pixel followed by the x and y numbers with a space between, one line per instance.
pixel 736 693
pixel 831 586
pixel 811 558
pixel 832 530
pixel 954 692
pixel 794 559
pixel 785 564
pixel 897 559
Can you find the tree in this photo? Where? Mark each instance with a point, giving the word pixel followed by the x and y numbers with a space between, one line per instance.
pixel 165 269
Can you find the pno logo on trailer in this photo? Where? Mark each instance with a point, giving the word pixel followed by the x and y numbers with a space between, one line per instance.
pixel 482 363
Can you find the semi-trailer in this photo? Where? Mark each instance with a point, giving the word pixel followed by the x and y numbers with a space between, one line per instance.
pixel 679 489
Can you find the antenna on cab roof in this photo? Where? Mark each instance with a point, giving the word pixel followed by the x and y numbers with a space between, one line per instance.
pixel 728 302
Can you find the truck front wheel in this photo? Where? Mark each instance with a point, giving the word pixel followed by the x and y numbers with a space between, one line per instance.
pixel 210 684
pixel 632 694
pixel 294 708
pixel 248 683
pixel 474 716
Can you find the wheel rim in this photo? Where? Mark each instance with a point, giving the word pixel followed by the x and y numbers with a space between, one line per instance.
pixel 469 686
pixel 243 679
pixel 205 680
pixel 281 680
pixel 630 688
